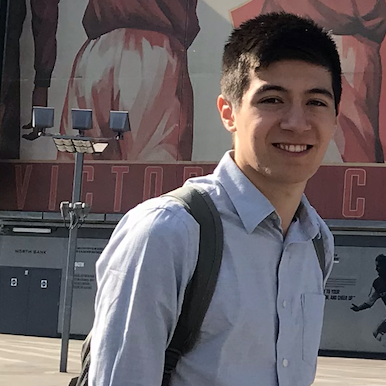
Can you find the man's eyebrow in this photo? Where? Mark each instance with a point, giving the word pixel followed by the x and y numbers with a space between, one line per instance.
pixel 273 87
pixel 322 91
pixel 270 87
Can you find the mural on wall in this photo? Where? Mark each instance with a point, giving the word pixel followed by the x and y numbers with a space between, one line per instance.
pixel 150 58
pixel 135 58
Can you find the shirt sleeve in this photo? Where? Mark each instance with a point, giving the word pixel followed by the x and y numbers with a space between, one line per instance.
pixel 141 279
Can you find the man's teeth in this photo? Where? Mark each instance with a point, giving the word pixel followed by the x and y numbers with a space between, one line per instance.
pixel 292 148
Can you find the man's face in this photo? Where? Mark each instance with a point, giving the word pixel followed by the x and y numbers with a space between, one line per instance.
pixel 284 122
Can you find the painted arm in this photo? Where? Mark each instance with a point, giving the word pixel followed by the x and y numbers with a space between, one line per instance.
pixel 373 297
pixel 343 17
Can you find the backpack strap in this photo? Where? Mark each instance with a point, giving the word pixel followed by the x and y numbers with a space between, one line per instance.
pixel 201 287
pixel 319 248
pixel 82 380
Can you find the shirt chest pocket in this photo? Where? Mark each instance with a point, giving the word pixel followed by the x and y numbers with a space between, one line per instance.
pixel 312 310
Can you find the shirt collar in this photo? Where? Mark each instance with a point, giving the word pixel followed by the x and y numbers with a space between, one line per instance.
pixel 308 218
pixel 250 204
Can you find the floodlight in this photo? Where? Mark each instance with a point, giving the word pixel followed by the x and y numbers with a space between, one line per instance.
pixel 83 146
pixel 65 208
pixel 77 208
pixel 81 209
pixel 99 147
pixel 119 122
pixel 81 119
pixel 64 145
pixel 86 209
pixel 42 117
pixel 59 144
pixel 70 148
pixel 78 145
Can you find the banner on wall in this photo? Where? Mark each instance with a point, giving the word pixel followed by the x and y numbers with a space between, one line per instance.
pixel 348 192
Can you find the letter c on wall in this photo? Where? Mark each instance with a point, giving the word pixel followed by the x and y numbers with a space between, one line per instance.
pixel 353 207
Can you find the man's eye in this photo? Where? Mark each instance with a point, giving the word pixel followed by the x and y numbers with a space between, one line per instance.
pixel 271 101
pixel 317 103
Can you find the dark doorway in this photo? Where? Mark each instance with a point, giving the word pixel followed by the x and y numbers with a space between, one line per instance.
pixel 29 301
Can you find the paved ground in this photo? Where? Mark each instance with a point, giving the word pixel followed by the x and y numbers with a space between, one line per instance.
pixel 350 372
pixel 30 361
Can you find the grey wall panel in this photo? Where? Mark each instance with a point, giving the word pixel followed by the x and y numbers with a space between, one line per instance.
pixel 32 251
pixel 51 252
pixel 82 316
pixel 350 282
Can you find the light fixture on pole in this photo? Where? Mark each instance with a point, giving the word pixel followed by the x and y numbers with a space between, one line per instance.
pixel 77 211
pixel 42 119
pixel 81 121
pixel 119 123
pixel 82 145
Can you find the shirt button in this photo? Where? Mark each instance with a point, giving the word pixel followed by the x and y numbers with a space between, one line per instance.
pixel 284 304
pixel 274 216
pixel 285 362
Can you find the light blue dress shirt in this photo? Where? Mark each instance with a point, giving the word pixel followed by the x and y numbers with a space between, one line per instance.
pixel 264 323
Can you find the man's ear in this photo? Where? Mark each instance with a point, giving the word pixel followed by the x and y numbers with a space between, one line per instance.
pixel 226 111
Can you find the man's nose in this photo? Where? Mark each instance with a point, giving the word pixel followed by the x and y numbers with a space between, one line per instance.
pixel 295 119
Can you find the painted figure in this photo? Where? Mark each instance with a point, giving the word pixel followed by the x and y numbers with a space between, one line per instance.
pixel 378 291
pixel 135 60
pixel 44 26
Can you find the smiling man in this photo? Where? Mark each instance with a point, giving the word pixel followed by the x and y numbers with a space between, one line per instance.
pixel 280 92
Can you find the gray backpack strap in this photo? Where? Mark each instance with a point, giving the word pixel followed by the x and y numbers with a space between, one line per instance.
pixel 319 248
pixel 201 287
pixel 82 380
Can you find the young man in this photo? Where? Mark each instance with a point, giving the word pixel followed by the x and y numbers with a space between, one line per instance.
pixel 281 87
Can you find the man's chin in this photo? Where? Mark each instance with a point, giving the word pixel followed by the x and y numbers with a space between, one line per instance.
pixel 294 177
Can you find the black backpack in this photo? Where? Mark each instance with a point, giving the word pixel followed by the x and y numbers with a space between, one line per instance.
pixel 201 287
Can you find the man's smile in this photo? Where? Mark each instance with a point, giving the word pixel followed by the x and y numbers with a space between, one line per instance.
pixel 293 148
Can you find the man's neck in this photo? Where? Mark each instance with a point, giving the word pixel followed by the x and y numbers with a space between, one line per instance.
pixel 286 205
pixel 284 198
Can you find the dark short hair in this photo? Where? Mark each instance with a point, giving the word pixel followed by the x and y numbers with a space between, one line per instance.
pixel 273 37
pixel 381 260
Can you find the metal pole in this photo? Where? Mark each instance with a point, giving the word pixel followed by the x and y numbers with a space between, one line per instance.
pixel 70 263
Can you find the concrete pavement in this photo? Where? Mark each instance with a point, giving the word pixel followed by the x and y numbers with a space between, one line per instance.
pixel 32 361
pixel 350 372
